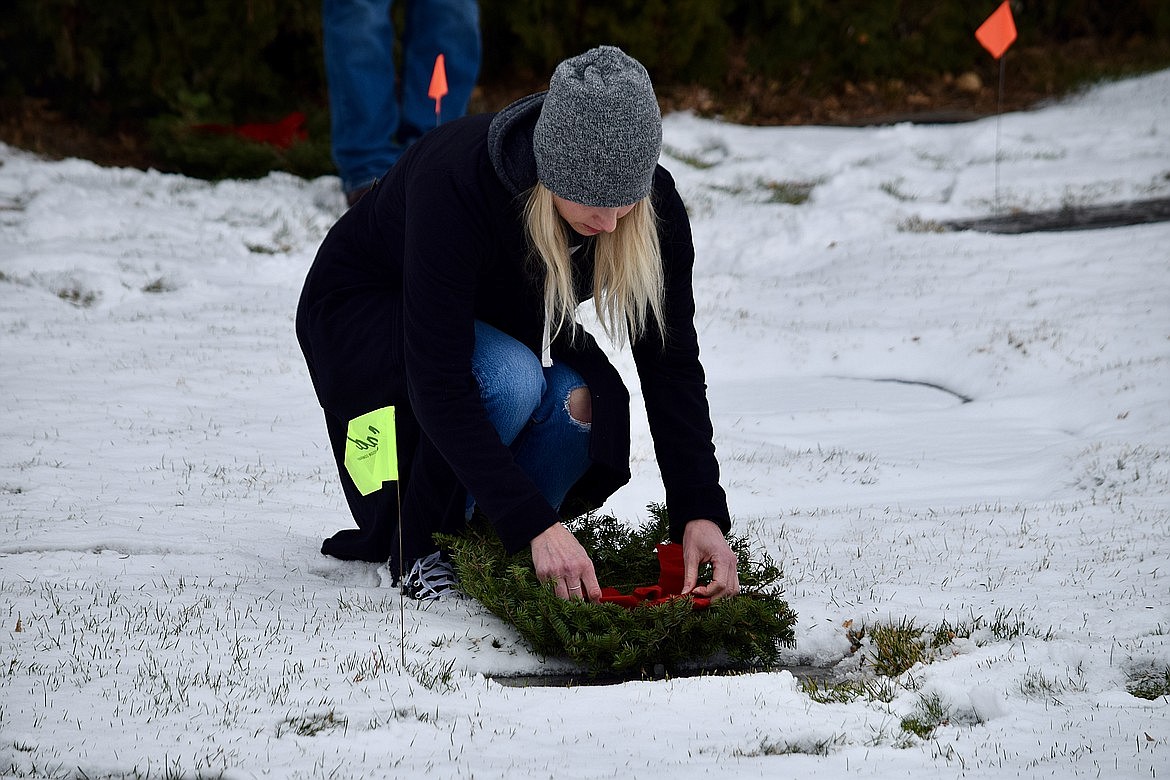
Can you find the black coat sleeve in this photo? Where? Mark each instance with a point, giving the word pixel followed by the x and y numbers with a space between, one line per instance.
pixel 449 234
pixel 673 382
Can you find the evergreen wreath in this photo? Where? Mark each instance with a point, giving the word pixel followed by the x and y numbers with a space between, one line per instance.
pixel 608 639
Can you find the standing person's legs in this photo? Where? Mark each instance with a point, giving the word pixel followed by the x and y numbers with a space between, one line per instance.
pixel 530 407
pixel 363 103
pixel 434 27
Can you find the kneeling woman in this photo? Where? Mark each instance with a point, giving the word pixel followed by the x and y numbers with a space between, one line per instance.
pixel 449 292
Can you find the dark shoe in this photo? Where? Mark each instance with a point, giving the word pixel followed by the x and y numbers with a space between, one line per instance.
pixel 353 196
pixel 432 577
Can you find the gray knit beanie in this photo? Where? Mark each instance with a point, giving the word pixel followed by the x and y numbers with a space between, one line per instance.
pixel 599 132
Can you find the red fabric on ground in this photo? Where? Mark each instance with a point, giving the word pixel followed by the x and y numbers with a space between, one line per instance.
pixel 282 134
pixel 670 581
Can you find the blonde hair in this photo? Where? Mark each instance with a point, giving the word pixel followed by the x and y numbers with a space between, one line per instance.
pixel 627 273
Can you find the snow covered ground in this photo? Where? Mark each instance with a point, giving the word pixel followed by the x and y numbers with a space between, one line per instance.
pixel 926 426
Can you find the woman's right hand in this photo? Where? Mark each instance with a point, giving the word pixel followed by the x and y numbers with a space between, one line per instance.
pixel 558 556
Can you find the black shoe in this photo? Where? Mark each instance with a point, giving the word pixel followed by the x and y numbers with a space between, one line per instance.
pixel 353 196
pixel 429 578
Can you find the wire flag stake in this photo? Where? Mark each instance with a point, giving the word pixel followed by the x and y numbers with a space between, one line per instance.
pixel 371 458
pixel 996 34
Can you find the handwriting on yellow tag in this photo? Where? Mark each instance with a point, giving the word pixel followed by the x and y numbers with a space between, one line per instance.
pixel 371 454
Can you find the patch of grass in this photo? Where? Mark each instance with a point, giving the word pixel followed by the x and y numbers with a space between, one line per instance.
pixel 803 747
pixel 929 714
pixel 880 689
pixel 894 188
pixel 792 193
pixel 708 157
pixel 889 651
pixel 1036 685
pixel 359 668
pixel 896 649
pixel 266 249
pixel 920 225
pixel 82 299
pixel 727 189
pixel 434 675
pixel 356 601
pixel 311 725
pixel 1004 627
pixel 159 285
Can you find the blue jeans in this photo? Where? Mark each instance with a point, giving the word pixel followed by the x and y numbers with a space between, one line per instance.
pixel 371 124
pixel 529 407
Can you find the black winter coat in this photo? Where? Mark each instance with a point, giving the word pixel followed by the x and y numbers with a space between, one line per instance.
pixel 387 317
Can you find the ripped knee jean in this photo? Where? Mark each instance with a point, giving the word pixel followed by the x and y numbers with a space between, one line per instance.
pixel 529 407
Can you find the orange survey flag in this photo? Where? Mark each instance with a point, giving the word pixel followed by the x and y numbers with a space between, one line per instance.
pixel 438 86
pixel 999 31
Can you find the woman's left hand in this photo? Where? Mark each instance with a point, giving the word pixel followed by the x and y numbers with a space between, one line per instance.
pixel 558 556
pixel 703 542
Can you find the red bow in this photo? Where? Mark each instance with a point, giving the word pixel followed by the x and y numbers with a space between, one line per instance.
pixel 669 587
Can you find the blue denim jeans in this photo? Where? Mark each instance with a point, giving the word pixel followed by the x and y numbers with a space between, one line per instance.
pixel 373 117
pixel 529 407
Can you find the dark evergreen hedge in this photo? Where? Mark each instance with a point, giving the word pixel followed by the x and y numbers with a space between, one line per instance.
pixel 173 63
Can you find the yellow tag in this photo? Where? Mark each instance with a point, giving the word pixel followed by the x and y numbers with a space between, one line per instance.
pixel 371 452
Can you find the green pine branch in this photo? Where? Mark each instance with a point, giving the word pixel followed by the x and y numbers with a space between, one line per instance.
pixel 606 638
